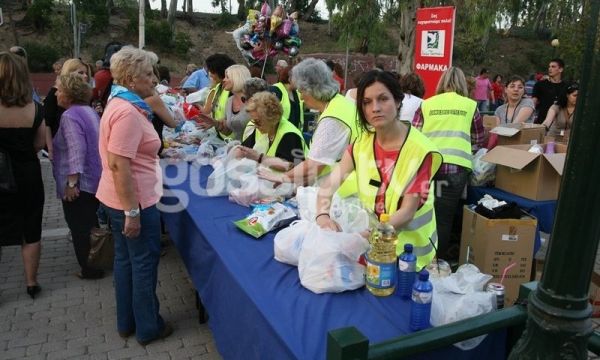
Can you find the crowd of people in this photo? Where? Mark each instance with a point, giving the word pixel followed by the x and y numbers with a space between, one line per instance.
pixel 381 142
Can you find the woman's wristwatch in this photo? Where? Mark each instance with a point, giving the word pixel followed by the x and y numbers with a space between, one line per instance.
pixel 132 213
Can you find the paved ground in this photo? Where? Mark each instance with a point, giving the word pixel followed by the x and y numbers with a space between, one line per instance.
pixel 73 318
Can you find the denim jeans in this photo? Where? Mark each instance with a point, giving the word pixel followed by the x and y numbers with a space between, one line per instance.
pixel 135 274
pixel 483 105
pixel 446 206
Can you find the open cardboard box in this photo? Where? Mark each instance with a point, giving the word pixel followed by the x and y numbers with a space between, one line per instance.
pixel 520 133
pixel 494 244
pixel 530 175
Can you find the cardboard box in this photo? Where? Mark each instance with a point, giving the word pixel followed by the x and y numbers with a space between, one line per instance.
pixel 563 137
pixel 490 122
pixel 494 244
pixel 517 134
pixel 530 175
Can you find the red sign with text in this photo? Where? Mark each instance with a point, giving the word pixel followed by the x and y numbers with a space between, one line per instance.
pixel 434 40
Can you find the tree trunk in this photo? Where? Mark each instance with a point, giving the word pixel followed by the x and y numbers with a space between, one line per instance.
pixel 172 13
pixel 540 18
pixel 110 5
pixel 329 23
pixel 241 14
pixel 406 46
pixel 163 9
pixel 310 9
pixel 147 7
pixel 190 7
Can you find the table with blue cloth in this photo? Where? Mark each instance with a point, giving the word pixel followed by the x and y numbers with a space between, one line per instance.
pixel 542 210
pixel 256 305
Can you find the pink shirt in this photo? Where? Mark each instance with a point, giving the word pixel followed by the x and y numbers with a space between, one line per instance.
pixel 482 88
pixel 125 131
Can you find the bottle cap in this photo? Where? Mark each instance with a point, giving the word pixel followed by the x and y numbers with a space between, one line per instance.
pixel 423 275
pixel 384 218
pixel 408 248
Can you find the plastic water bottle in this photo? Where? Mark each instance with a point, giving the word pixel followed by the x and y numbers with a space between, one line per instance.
pixel 407 267
pixel 420 307
pixel 381 259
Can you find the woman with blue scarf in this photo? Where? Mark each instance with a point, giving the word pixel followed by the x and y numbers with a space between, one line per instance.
pixel 130 187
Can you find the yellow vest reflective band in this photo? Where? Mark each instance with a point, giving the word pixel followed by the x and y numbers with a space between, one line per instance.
pixel 344 111
pixel 421 230
pixel 286 104
pixel 219 104
pixel 447 120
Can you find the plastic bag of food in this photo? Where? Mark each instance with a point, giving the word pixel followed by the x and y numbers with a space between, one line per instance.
pixel 266 218
pixel 288 242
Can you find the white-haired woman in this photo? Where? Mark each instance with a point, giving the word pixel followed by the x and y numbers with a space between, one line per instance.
pixel 130 186
pixel 453 123
pixel 336 126
pixel 236 117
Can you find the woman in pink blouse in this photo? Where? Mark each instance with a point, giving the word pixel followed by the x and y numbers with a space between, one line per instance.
pixel 130 187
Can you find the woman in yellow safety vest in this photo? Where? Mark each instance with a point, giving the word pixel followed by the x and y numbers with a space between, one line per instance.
pixel 275 142
pixel 216 101
pixel 452 122
pixel 394 166
pixel 336 126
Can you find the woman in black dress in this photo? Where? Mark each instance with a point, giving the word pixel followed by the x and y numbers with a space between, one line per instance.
pixel 22 132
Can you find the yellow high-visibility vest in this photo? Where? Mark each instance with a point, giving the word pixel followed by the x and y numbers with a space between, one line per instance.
pixel 447 120
pixel 286 104
pixel 421 230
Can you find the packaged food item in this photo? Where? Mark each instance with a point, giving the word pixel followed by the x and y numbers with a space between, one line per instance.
pixel 265 218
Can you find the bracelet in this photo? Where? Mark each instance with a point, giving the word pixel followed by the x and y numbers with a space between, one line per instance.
pixel 321 214
pixel 260 157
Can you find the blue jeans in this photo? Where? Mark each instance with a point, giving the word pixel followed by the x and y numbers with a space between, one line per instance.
pixel 482 105
pixel 135 274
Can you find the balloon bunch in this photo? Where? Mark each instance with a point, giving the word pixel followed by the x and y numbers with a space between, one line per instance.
pixel 265 34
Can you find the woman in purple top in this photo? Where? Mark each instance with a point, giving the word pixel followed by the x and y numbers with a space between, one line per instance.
pixel 76 165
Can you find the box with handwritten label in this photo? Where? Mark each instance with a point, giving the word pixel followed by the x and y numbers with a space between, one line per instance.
pixel 494 245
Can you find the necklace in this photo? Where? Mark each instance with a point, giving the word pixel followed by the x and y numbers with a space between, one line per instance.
pixel 513 114
pixel 569 118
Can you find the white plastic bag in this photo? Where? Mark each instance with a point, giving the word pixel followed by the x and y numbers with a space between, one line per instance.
pixel 483 171
pixel 288 242
pixel 328 261
pixel 461 296
pixel 347 212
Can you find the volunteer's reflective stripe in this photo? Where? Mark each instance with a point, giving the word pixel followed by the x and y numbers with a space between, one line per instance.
pixel 458 153
pixel 421 230
pixel 443 133
pixel 422 220
pixel 425 250
pixel 447 121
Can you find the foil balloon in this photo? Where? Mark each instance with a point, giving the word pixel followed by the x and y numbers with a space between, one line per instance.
pixel 275 23
pixel 265 9
pixel 278 45
pixel 293 51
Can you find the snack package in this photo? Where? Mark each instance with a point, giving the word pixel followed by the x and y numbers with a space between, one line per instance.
pixel 265 218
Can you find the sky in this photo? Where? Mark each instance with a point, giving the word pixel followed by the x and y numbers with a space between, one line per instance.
pixel 206 7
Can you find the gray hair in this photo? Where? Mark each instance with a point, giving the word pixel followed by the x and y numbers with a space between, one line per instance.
pixel 129 62
pixel 315 78
pixel 453 80
pixel 254 85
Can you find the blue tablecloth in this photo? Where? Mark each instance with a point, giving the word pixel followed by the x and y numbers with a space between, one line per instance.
pixel 542 210
pixel 257 307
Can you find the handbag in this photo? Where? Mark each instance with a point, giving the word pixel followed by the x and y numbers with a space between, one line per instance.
pixel 102 248
pixel 7 177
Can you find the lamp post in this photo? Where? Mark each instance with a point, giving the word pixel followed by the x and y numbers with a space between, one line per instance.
pixel 555 43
